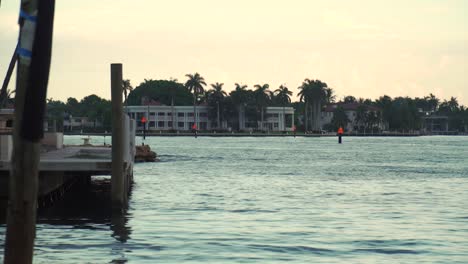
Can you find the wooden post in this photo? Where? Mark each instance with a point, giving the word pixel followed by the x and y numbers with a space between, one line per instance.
pixel 31 88
pixel 118 192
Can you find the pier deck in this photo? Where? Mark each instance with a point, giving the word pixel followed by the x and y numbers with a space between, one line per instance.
pixel 73 159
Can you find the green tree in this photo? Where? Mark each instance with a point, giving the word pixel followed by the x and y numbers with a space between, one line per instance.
pixel 329 96
pixel 127 88
pixel 55 111
pixel 314 92
pixel 262 98
pixel 433 101
pixel 385 104
pixel 361 115
pixel 73 107
pixel 239 98
pixel 92 108
pixel 167 92
pixel 305 96
pixel 340 119
pixel 283 96
pixel 216 95
pixel 349 99
pixel 195 84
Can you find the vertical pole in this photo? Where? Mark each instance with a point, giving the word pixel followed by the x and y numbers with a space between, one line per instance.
pixel 21 219
pixel 34 50
pixel 117 178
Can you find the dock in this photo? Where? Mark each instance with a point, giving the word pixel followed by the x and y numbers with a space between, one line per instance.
pixel 59 165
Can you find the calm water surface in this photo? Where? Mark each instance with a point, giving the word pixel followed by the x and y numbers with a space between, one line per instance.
pixel 272 200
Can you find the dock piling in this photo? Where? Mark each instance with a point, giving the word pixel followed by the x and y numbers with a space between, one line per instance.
pixel 118 192
pixel 35 42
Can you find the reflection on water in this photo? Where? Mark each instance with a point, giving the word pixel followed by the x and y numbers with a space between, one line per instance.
pixel 84 209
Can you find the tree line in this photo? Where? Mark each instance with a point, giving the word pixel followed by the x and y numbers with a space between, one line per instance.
pixel 399 113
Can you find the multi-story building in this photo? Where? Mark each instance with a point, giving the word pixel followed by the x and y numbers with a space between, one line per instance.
pixel 163 118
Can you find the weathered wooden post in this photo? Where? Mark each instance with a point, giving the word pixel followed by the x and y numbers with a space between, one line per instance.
pixel 34 49
pixel 118 192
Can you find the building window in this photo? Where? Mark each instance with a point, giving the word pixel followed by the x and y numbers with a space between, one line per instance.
pixel 152 113
pixel 275 125
pixel 161 113
pixel 203 114
pixel 180 114
pixel 180 124
pixel 161 124
pixel 169 114
pixel 151 124
pixel 169 124
pixel 190 114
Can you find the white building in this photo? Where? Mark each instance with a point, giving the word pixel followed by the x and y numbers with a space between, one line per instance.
pixel 71 123
pixel 161 117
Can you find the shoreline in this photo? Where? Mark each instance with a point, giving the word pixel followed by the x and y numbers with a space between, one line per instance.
pixel 207 134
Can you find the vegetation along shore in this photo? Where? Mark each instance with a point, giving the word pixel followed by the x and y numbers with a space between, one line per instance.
pixel 317 110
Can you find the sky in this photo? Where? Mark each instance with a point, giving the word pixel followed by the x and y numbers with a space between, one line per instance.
pixel 364 48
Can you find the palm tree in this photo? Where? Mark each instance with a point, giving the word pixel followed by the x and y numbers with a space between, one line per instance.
pixel 195 84
pixel 283 95
pixel 318 94
pixel 314 92
pixel 453 104
pixel 127 88
pixel 262 98
pixel 433 101
pixel 239 97
pixel 329 96
pixel 218 95
pixel 304 96
pixel 361 115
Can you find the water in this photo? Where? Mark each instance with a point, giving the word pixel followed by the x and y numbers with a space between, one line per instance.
pixel 273 200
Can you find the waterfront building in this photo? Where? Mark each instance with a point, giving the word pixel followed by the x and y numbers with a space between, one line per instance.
pixel 181 118
pixel 432 123
pixel 71 123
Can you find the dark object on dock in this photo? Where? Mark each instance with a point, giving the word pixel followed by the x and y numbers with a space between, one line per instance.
pixel 144 154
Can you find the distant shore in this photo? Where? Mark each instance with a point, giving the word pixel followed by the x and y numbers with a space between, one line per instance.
pixel 290 134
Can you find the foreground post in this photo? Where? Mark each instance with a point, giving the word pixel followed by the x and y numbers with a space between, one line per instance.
pixel 34 51
pixel 118 191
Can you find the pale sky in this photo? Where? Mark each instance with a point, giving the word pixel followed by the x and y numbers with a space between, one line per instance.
pixel 364 48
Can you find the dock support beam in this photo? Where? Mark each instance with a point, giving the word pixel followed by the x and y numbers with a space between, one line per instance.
pixel 118 189
pixel 35 44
